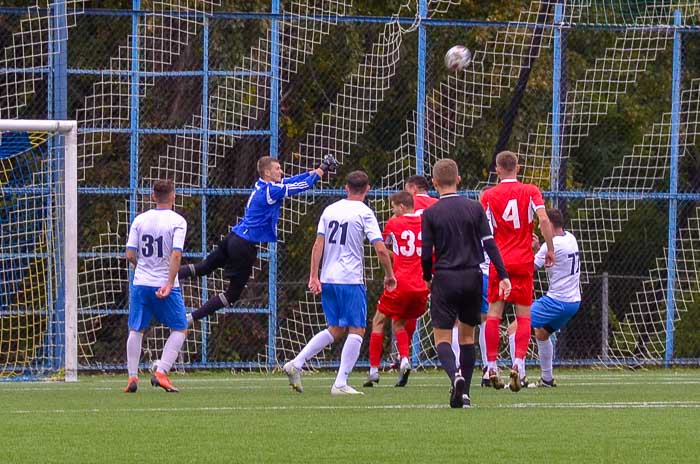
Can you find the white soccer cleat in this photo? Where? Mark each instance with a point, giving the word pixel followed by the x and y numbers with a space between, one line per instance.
pixel 344 390
pixel 294 376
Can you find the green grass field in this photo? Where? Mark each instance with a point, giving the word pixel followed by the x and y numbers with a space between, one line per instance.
pixel 593 416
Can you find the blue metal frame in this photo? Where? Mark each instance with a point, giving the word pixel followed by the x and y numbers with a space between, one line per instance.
pixel 274 152
pixel 556 103
pixel 205 172
pixel 673 189
pixel 58 72
pixel 58 99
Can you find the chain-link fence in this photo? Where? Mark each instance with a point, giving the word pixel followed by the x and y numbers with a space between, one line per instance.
pixel 600 102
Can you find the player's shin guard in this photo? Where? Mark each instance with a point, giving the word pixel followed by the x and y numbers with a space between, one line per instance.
pixel 492 338
pixel 171 350
pixel 402 343
pixel 376 340
pixel 447 360
pixel 522 336
pixel 133 352
pixel 467 359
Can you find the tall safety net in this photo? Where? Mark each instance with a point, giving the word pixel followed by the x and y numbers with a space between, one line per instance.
pixel 197 91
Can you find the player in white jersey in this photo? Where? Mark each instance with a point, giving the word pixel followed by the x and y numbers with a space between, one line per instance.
pixel 154 248
pixel 563 298
pixel 342 230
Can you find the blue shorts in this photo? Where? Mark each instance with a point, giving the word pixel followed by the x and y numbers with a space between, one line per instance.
pixel 144 305
pixel 345 305
pixel 550 314
pixel 484 291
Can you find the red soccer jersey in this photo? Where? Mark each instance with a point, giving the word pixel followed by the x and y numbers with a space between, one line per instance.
pixel 422 201
pixel 403 234
pixel 510 207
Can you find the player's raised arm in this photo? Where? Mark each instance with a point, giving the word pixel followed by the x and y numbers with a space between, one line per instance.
pixel 302 182
pixel 546 229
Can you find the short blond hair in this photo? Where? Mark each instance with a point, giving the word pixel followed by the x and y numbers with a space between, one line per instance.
pixel 507 160
pixel 445 172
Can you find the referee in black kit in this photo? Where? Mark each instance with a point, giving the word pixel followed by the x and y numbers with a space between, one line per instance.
pixel 453 231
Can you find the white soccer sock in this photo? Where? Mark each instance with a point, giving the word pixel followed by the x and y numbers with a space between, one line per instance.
pixel 171 350
pixel 511 348
pixel 482 344
pixel 373 370
pixel 520 365
pixel 455 345
pixel 315 345
pixel 133 352
pixel 546 350
pixel 348 358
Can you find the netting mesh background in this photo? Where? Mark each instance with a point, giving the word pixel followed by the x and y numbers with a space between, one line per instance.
pixel 183 90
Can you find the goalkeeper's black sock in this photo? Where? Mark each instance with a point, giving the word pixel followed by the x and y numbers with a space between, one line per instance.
pixel 210 307
pixel 447 359
pixel 467 357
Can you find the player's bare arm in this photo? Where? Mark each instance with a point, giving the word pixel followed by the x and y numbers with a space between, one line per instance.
pixel 385 262
pixel 316 254
pixel 548 234
pixel 132 256
pixel 173 268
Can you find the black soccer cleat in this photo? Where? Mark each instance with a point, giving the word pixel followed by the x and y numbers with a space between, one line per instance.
pixel 456 393
pixel 542 383
pixel 466 401
pixel 371 380
pixel 485 380
pixel 404 372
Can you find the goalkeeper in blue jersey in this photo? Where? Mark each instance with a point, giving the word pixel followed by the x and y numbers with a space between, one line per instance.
pixel 237 252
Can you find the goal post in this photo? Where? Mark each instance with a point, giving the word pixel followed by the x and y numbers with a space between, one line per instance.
pixel 39 255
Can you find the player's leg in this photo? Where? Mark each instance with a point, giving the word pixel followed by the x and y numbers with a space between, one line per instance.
pixel 139 319
pixel 492 333
pixel 213 261
pixel 548 316
pixel 403 342
pixel 241 255
pixel 455 342
pixel 469 316
pixel 510 332
pixel 443 313
pixel 353 315
pixel 319 341
pixel 521 295
pixel 171 312
pixel 485 380
pixel 376 343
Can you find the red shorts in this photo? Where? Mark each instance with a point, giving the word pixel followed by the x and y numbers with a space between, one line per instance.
pixel 522 281
pixel 401 304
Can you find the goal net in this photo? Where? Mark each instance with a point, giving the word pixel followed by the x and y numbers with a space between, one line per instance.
pixel 38 259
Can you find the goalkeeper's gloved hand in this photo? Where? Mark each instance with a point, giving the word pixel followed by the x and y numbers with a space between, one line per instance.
pixel 329 163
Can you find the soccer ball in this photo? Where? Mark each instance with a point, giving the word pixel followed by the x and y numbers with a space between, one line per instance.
pixel 457 58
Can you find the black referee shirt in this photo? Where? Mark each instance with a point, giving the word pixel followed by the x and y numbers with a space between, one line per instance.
pixel 453 230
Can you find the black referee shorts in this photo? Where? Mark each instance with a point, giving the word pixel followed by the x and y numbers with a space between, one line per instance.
pixel 455 294
pixel 237 256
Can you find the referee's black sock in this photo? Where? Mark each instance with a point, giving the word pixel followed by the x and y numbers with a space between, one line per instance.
pixel 447 359
pixel 467 357
pixel 210 307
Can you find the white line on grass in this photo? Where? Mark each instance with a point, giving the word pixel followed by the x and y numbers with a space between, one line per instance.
pixel 610 405
pixel 424 383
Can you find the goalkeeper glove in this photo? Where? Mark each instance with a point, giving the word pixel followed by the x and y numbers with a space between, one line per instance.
pixel 329 163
